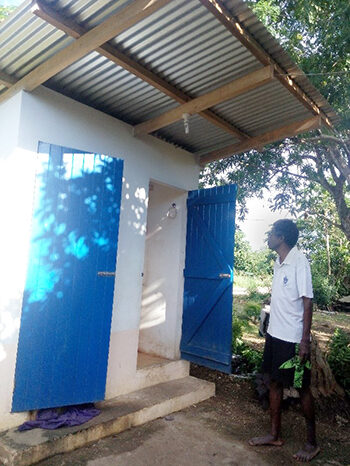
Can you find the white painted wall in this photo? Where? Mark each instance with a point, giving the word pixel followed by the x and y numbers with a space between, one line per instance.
pixel 16 194
pixel 49 117
pixel 161 313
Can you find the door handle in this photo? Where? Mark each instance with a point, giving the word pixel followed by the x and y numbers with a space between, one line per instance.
pixel 224 275
pixel 106 274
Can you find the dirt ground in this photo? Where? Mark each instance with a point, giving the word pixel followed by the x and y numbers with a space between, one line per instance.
pixel 216 432
pixel 239 411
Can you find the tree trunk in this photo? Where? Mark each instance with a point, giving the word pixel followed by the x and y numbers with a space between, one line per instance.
pixel 343 212
pixel 323 382
pixel 328 253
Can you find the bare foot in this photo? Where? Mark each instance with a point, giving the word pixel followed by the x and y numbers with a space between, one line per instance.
pixel 307 452
pixel 267 440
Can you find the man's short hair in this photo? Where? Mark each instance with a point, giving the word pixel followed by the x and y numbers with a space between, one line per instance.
pixel 287 229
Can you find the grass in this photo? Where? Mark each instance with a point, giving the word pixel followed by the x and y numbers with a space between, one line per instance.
pixel 251 282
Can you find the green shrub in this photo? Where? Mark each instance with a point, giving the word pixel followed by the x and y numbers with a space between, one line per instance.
pixel 324 291
pixel 237 332
pixel 253 358
pixel 252 310
pixel 256 295
pixel 339 358
pixel 249 358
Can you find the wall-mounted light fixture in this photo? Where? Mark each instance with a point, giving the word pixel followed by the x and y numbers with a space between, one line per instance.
pixel 172 211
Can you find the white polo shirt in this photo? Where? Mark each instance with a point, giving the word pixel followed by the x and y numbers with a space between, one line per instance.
pixel 291 281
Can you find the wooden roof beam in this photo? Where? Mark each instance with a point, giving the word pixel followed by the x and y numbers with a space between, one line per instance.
pixel 114 25
pixel 109 51
pixel 6 80
pixel 237 30
pixel 259 142
pixel 228 91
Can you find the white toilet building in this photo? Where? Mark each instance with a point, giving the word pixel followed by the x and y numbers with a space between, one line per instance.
pixel 111 273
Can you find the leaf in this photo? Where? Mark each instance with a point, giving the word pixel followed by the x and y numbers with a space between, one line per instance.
pixel 298 366
pixel 290 364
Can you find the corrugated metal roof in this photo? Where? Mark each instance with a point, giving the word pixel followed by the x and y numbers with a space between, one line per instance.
pixel 256 28
pixel 184 44
pixel 263 109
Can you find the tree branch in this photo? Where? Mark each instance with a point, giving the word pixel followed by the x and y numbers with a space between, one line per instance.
pixel 329 138
pixel 330 158
pixel 303 177
pixel 339 163
pixel 337 225
pixel 326 137
pixel 308 157
pixel 320 174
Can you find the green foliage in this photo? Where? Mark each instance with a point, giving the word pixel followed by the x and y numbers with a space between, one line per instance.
pixel 325 292
pixel 326 246
pixel 243 252
pixel 258 296
pixel 247 261
pixel 299 366
pixel 250 359
pixel 316 34
pixel 252 310
pixel 269 12
pixel 339 358
pixel 237 333
pixel 5 11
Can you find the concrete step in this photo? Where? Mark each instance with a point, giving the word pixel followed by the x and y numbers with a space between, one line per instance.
pixel 117 415
pixel 160 372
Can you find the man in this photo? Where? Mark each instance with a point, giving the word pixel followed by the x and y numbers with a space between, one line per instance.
pixel 290 324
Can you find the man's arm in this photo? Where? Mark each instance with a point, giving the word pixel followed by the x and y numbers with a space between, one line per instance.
pixel 304 347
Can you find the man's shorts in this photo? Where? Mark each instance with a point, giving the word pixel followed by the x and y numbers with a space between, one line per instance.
pixel 277 352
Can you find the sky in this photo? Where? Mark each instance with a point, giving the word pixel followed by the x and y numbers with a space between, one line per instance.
pixel 258 221
pixel 10 2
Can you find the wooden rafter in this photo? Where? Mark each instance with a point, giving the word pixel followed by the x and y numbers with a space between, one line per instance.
pixel 223 93
pixel 114 25
pixel 6 80
pixel 109 51
pixel 238 31
pixel 260 141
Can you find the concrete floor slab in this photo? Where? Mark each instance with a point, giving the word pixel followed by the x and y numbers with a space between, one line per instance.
pixel 117 415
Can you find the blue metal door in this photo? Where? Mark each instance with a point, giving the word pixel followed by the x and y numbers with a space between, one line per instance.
pixel 207 314
pixel 67 304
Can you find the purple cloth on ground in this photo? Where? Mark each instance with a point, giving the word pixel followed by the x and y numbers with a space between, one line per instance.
pixel 51 419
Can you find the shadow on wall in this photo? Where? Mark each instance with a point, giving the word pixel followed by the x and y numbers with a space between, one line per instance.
pixel 67 305
pixel 74 230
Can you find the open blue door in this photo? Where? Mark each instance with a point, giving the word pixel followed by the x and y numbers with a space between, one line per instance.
pixel 207 315
pixel 67 304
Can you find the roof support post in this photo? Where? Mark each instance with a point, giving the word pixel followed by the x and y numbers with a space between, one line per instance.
pixel 221 94
pixel 260 141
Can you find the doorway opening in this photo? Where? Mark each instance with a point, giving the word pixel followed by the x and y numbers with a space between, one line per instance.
pixel 162 287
